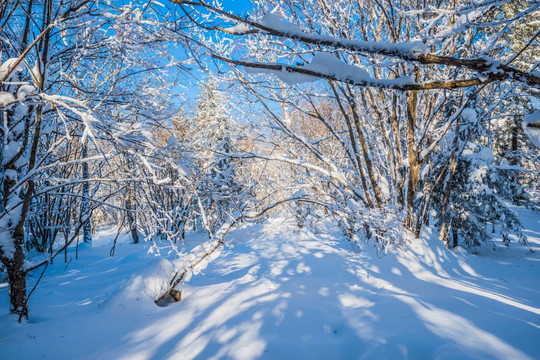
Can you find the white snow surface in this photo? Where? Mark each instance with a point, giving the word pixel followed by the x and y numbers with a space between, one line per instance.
pixel 276 292
pixel 532 132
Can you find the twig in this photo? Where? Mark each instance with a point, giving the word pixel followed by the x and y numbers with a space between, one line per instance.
pixel 30 294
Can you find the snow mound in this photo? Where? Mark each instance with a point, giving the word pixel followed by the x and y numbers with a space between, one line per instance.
pixel 143 288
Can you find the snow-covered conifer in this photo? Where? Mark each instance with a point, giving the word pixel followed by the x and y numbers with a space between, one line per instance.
pixel 214 143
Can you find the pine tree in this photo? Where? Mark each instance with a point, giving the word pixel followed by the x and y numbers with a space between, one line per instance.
pixel 218 187
pixel 479 185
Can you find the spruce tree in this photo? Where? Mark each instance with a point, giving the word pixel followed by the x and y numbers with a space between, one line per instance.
pixel 218 188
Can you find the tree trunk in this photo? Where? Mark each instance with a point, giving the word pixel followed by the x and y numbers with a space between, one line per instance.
pixel 455 237
pixel 131 220
pixel 414 165
pixel 15 267
pixel 399 178
pixel 17 282
pixel 85 209
pixel 365 148
pixel 514 145
pixel 443 236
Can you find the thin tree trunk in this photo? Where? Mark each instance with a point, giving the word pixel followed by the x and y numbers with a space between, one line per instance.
pixel 365 150
pixel 399 158
pixel 514 145
pixel 443 235
pixel 414 165
pixel 354 146
pixel 455 238
pixel 130 215
pixel 85 208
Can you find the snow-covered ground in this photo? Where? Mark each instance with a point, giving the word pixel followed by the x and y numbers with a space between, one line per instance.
pixel 276 293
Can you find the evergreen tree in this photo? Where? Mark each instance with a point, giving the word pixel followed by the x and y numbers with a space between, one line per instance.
pixel 480 183
pixel 218 188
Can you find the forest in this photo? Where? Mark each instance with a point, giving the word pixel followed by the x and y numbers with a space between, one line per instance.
pixel 398 137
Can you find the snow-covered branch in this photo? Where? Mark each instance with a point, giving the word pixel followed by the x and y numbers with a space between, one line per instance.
pixel 487 69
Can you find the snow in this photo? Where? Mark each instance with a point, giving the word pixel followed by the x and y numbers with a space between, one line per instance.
pixel 172 142
pixel 11 149
pixel 469 115
pixel 407 48
pixel 6 98
pixel 327 65
pixel 290 78
pixel 6 241
pixel 477 153
pixel 323 61
pixel 8 221
pixel 532 132
pixel 10 174
pixel 145 286
pixel 25 91
pixel 7 65
pixel 238 29
pixel 274 22
pixel 279 293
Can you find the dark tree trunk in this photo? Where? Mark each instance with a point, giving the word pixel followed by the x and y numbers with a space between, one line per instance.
pixel 17 285
pixel 455 238
pixel 130 215
pixel 87 226
pixel 514 145
pixel 16 273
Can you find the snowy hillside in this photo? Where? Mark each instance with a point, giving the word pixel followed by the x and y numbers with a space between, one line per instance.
pixel 276 293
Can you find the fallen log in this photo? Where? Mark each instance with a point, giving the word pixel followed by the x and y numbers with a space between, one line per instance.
pixel 220 235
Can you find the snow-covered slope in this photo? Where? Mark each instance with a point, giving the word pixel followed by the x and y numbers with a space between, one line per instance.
pixel 276 293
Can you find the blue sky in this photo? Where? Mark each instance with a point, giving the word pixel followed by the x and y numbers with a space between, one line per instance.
pixel 238 7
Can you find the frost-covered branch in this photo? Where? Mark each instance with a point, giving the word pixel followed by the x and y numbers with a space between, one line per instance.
pixel 332 69
pixel 414 51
